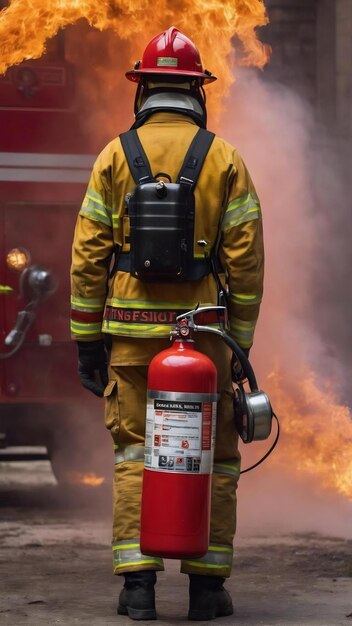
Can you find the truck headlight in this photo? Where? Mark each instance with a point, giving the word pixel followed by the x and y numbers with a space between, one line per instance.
pixel 18 259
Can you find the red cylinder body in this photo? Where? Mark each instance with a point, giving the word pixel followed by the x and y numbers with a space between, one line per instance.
pixel 180 433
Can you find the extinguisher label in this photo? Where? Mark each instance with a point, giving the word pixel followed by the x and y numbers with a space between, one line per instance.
pixel 180 432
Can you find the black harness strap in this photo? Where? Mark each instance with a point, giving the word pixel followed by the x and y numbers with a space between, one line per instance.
pixel 139 165
pixel 195 157
pixel 136 157
pixel 189 173
pixel 199 269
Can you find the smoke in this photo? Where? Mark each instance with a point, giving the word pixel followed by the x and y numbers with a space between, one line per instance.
pixel 104 98
pixel 304 325
pixel 272 502
pixel 333 255
pixel 271 128
pixel 300 172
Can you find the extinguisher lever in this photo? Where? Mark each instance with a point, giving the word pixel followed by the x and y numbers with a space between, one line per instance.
pixel 197 320
pixel 202 316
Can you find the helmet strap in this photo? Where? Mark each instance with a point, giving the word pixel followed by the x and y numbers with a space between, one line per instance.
pixel 139 96
pixel 199 93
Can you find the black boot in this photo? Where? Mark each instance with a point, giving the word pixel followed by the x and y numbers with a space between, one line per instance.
pixel 207 598
pixel 137 598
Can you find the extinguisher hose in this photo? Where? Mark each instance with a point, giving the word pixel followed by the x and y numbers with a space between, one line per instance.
pixel 249 373
pixel 246 366
pixel 248 469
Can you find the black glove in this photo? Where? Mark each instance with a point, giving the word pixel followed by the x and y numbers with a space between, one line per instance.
pixel 93 366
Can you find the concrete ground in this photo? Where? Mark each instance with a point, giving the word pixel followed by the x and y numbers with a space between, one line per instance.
pixel 55 564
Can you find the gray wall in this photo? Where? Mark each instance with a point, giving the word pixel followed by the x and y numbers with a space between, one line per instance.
pixel 312 53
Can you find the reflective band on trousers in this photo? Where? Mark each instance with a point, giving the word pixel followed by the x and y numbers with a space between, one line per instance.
pixel 217 557
pixel 128 553
pixel 233 469
pixel 81 328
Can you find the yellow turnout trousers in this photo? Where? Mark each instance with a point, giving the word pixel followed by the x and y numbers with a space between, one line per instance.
pixel 125 413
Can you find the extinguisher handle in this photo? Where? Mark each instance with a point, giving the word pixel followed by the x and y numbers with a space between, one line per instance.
pixel 217 314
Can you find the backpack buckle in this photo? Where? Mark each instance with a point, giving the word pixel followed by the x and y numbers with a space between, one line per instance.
pixel 186 181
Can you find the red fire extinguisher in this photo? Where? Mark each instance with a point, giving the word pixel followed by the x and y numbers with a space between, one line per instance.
pixel 179 448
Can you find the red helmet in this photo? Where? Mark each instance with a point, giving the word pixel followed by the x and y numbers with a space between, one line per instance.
pixel 171 54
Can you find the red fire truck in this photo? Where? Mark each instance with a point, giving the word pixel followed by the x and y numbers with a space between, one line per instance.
pixel 45 160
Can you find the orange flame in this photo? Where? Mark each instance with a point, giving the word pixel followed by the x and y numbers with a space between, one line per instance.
pixel 317 432
pixel 25 26
pixel 90 479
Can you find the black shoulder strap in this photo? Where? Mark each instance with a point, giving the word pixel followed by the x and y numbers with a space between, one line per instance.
pixel 191 167
pixel 136 157
pixel 195 157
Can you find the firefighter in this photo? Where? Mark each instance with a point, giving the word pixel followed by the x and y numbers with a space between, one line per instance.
pixel 111 306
